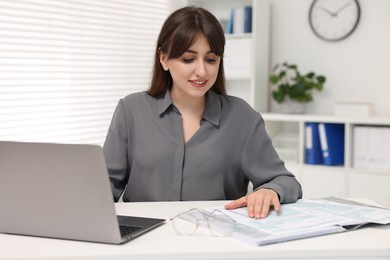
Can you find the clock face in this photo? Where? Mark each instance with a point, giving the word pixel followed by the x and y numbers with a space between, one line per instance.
pixel 334 20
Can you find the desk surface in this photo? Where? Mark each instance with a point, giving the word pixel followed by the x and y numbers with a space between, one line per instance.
pixel 163 243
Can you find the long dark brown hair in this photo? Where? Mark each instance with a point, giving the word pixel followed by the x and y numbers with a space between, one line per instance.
pixel 179 32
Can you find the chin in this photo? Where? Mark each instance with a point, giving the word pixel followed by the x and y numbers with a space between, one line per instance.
pixel 199 93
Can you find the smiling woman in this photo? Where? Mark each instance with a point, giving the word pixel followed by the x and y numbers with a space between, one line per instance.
pixel 185 138
pixel 64 64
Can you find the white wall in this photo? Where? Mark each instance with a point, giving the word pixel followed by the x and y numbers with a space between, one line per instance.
pixel 357 68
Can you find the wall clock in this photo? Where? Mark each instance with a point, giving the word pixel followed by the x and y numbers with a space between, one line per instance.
pixel 334 20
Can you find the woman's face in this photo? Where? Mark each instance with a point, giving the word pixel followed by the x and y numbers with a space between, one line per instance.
pixel 195 72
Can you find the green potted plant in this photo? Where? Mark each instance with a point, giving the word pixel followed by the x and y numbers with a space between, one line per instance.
pixel 291 85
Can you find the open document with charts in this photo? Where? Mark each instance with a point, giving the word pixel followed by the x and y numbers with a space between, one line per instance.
pixel 303 219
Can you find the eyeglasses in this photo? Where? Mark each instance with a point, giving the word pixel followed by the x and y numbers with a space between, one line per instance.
pixel 218 223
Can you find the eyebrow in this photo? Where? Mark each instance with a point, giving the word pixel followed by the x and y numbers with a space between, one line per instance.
pixel 195 52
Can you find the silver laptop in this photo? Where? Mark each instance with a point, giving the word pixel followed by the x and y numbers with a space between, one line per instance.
pixel 62 191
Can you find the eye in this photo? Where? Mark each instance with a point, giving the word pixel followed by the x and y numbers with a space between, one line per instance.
pixel 188 60
pixel 212 58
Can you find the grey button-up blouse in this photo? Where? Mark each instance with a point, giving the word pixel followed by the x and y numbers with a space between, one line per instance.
pixel 148 160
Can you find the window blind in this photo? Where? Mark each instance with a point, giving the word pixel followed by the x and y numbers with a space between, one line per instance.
pixel 64 64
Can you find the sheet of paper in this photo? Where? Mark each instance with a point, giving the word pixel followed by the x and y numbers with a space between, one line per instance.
pixel 305 218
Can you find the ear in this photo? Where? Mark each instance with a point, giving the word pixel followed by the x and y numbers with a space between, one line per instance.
pixel 163 60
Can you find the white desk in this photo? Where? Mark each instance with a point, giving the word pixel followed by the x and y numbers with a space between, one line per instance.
pixel 163 243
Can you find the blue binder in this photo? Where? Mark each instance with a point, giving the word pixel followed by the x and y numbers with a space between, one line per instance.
pixel 229 26
pixel 248 19
pixel 313 152
pixel 332 143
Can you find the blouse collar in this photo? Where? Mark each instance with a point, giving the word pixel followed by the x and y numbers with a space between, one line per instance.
pixel 212 111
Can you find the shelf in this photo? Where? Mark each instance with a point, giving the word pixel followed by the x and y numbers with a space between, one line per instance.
pixel 238 36
pixel 322 180
pixel 372 120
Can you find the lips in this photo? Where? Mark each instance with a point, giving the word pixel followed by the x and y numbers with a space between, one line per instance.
pixel 198 83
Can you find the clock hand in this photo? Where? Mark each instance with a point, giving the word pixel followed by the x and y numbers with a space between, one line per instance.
pixel 327 11
pixel 342 8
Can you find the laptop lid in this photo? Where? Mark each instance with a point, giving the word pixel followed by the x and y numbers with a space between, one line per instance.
pixel 60 191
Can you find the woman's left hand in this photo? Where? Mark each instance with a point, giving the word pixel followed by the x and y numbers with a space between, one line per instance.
pixel 258 203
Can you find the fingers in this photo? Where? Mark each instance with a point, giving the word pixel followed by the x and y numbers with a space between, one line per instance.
pixel 241 202
pixel 260 202
pixel 276 204
pixel 254 207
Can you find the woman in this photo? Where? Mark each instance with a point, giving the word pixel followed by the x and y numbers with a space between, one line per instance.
pixel 185 139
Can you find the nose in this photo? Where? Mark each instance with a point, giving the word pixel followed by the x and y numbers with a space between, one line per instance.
pixel 200 69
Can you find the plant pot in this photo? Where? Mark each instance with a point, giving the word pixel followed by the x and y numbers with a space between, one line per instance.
pixel 290 106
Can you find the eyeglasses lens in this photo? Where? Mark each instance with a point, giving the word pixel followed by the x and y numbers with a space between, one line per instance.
pixel 220 225
pixel 185 224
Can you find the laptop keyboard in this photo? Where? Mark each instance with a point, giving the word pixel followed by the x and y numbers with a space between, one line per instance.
pixel 125 230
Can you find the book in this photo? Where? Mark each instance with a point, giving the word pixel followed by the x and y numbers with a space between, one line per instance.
pixel 230 22
pixel 375 147
pixel 240 20
pixel 248 19
pixel 313 152
pixel 332 143
pixel 303 219
pixel 371 147
pixel 360 144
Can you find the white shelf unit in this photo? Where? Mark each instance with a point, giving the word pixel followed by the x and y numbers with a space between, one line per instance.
pixel 320 180
pixel 253 87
